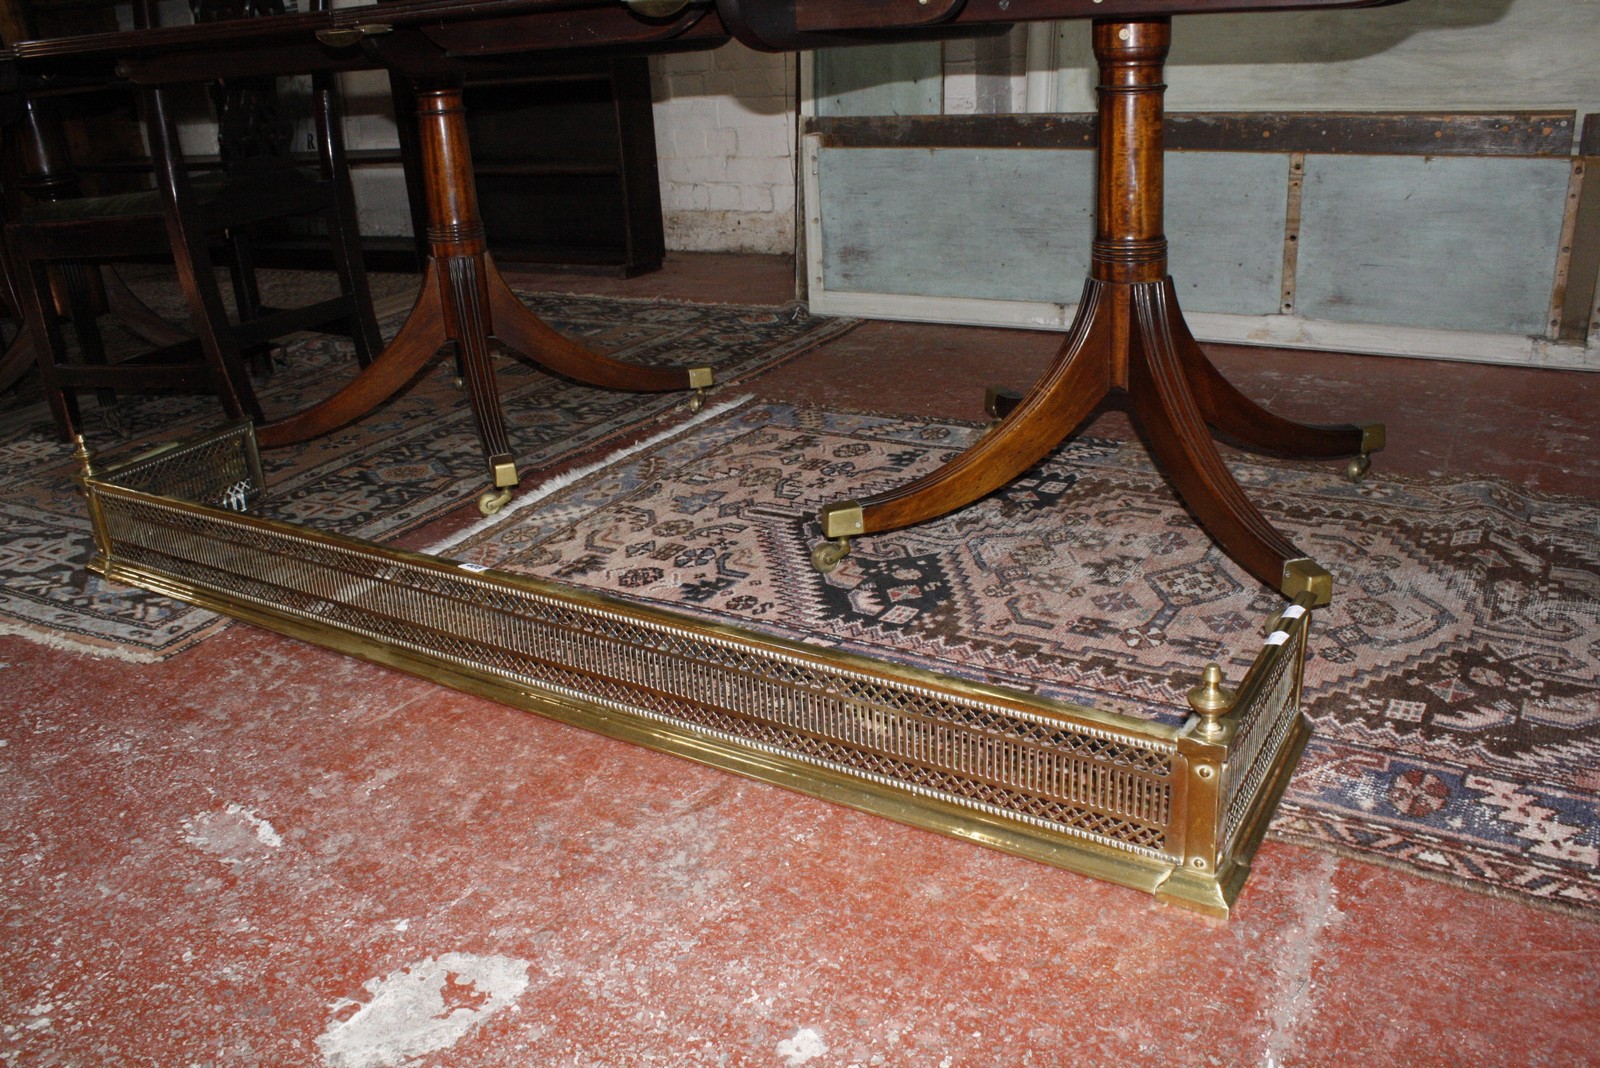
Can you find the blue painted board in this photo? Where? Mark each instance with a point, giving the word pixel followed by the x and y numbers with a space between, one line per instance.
pixel 1459 243
pixel 1016 224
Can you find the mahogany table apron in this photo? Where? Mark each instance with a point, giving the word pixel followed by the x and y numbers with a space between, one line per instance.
pixel 1129 337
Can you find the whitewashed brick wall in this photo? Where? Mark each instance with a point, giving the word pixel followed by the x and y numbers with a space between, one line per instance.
pixel 725 137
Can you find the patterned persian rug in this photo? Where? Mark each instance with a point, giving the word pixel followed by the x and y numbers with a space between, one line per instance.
pixel 409 462
pixel 1454 685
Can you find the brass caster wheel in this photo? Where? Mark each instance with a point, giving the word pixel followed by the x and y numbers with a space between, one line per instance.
pixel 491 501
pixel 458 383
pixel 826 556
pixel 999 402
pixel 1373 438
pixel 700 380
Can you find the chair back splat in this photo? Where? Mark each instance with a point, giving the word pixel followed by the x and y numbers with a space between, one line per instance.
pixel 60 244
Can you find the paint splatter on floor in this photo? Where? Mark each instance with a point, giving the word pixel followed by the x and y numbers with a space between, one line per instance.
pixel 236 834
pixel 804 1046
pixel 421 1008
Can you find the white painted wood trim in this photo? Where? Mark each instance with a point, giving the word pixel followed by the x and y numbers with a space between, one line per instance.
pixel 1042 78
pixel 1460 346
pixel 807 62
pixel 811 216
pixel 1275 331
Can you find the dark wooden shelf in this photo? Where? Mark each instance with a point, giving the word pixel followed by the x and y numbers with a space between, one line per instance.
pixel 356 157
pixel 549 168
pixel 566 165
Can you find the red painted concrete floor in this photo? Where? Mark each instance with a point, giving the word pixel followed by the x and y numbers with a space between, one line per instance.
pixel 261 853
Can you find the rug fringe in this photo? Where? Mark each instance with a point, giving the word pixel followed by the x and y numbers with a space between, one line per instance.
pixel 1574 910
pixel 567 478
pixel 65 644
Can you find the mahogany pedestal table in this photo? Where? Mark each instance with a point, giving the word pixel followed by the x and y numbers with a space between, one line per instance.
pixel 464 302
pixel 1129 336
pixel 464 305
pixel 1173 808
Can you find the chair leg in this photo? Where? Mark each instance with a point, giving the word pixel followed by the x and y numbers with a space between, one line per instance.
pixel 246 293
pixel 48 347
pixel 197 275
pixel 191 254
pixel 74 275
pixel 347 260
pixel 343 227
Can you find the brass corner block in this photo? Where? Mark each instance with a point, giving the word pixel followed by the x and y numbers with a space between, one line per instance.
pixel 1305 576
pixel 842 519
pixel 505 473
pixel 1373 437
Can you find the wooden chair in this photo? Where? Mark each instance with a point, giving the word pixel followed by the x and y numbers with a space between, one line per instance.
pixel 182 216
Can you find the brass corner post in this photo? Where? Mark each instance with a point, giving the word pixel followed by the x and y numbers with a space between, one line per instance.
pixel 84 457
pixel 97 520
pixel 1196 879
pixel 1207 762
pixel 1211 700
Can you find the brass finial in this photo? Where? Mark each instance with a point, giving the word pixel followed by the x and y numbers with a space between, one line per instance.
pixel 83 456
pixel 1211 699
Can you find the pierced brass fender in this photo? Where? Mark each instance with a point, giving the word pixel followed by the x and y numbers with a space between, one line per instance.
pixel 1176 809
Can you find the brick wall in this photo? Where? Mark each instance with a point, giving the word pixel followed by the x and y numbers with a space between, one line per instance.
pixel 725 136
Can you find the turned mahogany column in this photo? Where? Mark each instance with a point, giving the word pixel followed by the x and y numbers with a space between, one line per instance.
pixel 1129 338
pixel 1129 242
